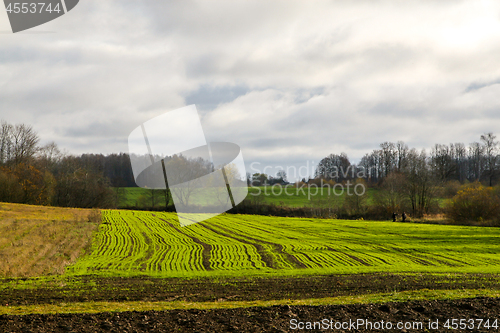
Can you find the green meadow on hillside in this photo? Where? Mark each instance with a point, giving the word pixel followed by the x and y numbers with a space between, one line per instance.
pixel 290 196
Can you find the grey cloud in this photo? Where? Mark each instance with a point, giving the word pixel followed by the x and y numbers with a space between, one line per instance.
pixel 95 130
pixel 208 96
pixel 477 85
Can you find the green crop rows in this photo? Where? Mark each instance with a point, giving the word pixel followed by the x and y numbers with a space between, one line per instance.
pixel 134 243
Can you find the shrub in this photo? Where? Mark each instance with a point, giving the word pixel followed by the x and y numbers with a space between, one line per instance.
pixel 474 202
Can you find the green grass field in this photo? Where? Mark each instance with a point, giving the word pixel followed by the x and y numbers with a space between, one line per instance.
pixel 131 197
pixel 133 243
pixel 292 197
pixel 297 197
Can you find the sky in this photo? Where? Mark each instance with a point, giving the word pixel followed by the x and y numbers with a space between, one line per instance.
pixel 290 82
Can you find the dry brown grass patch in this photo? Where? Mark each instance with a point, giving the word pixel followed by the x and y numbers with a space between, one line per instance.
pixel 39 240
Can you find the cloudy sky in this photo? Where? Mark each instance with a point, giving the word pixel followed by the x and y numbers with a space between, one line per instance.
pixel 289 81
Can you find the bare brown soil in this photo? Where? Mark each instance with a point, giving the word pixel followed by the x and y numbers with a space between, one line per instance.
pixel 265 319
pixel 90 288
pixel 258 319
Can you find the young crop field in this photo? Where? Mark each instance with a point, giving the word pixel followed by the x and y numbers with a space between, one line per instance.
pixel 134 243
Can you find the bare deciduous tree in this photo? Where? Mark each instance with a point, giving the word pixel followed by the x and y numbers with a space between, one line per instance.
pixel 336 167
pixel 24 143
pixel 490 148
pixel 5 142
pixel 18 143
pixel 392 196
pixel 475 157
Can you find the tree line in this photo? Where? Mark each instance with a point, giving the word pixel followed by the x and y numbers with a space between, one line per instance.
pixel 477 162
pixel 406 178
pixel 411 180
pixel 43 175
